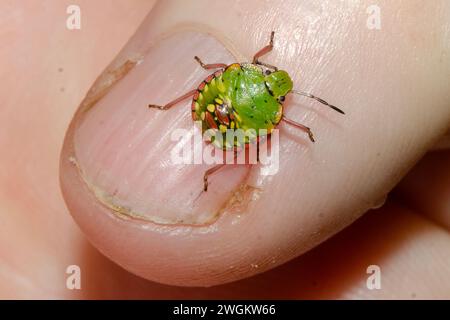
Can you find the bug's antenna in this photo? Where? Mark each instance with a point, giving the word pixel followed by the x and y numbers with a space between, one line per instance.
pixel 309 95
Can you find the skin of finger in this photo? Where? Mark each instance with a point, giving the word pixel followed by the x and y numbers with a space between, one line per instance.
pixel 31 276
pixel 411 252
pixel 359 161
pixel 427 187
pixel 401 243
pixel 443 143
pixel 41 88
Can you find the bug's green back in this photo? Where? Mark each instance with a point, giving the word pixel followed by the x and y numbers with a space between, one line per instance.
pixel 255 106
pixel 240 97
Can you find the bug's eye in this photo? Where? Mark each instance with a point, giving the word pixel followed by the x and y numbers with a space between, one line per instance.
pixel 281 98
pixel 267 72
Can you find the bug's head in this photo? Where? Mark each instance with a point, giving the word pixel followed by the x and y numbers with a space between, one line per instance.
pixel 279 82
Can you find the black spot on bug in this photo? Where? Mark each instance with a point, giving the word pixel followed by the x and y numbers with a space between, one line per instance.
pixel 267 72
pixel 281 98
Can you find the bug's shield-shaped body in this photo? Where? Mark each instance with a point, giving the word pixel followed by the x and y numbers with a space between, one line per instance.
pixel 239 97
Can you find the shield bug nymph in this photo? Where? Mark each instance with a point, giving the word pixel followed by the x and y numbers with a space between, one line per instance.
pixel 243 96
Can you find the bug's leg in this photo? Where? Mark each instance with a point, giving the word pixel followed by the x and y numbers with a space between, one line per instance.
pixel 309 95
pixel 263 51
pixel 210 66
pixel 269 66
pixel 208 173
pixel 300 126
pixel 174 102
pixel 214 169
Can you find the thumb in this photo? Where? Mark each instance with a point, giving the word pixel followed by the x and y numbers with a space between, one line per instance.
pixel 144 213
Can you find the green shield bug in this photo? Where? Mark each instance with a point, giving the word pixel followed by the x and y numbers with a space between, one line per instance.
pixel 242 96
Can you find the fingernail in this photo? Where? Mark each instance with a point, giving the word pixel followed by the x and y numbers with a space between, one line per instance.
pixel 123 148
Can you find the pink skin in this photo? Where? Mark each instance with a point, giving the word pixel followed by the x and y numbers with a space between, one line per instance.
pixel 141 175
pixel 387 114
pixel 119 150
